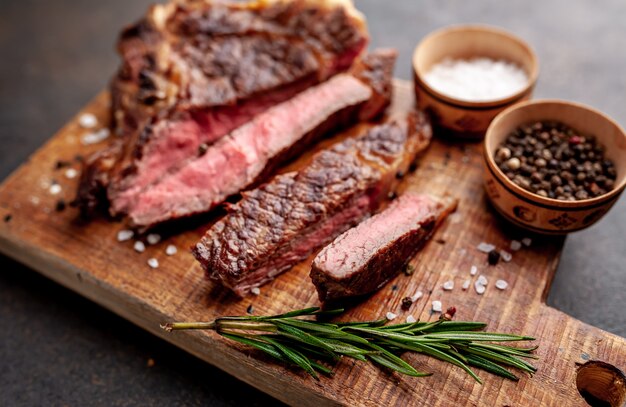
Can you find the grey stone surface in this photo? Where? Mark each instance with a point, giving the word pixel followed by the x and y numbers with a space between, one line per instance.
pixel 59 349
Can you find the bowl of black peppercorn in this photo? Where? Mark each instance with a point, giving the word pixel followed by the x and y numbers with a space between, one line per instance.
pixel 553 166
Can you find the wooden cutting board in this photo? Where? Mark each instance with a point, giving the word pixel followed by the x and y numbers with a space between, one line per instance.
pixel 87 258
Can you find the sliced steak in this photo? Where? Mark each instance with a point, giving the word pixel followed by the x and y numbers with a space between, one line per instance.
pixel 364 258
pixel 193 71
pixel 281 223
pixel 254 150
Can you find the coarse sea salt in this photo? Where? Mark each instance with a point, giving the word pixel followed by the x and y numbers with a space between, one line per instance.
pixel 154 263
pixel 485 247
pixel 87 120
pixel 171 250
pixel 95 137
pixel 411 319
pixel 71 173
pixel 418 294
pixel 466 284
pixel 448 285
pixel 506 256
pixel 476 79
pixel 515 245
pixel 55 189
pixel 153 238
pixel 139 246
pixel 255 290
pixel 527 241
pixel 501 284
pixel 473 270
pixel 482 280
pixel 391 316
pixel 437 307
pixel 124 235
pixel 480 289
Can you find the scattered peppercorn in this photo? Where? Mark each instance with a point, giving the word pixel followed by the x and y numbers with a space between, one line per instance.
pixel 406 303
pixel 440 241
pixel 400 174
pixel 409 269
pixel 394 287
pixel 493 257
pixel 60 206
pixel 553 160
pixel 61 164
pixel 449 314
pixel 8 217
pixel 250 309
pixel 202 149
pixel 392 195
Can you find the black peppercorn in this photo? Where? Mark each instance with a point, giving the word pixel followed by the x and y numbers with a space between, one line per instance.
pixel 406 303
pixel 493 257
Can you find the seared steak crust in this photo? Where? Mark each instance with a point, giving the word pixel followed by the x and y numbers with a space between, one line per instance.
pixel 211 66
pixel 254 150
pixel 282 222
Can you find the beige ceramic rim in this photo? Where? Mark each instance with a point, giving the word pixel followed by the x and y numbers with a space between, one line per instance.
pixel 550 202
pixel 532 75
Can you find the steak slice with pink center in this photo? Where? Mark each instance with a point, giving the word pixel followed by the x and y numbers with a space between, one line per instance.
pixel 282 222
pixel 254 150
pixel 193 71
pixel 364 258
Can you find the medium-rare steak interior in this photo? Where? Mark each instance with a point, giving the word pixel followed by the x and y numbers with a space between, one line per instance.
pixel 194 70
pixel 282 222
pixel 364 258
pixel 252 151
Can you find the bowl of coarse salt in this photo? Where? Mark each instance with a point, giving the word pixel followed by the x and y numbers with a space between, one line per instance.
pixel 465 75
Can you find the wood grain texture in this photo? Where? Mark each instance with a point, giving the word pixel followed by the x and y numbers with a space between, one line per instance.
pixel 88 259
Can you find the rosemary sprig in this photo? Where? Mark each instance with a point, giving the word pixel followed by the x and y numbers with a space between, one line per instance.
pixel 305 343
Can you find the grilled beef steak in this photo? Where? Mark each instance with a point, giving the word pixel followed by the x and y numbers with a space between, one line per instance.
pixel 282 222
pixel 364 258
pixel 194 70
pixel 252 151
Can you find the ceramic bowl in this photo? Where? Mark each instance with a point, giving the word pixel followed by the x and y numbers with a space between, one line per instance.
pixel 546 215
pixel 463 118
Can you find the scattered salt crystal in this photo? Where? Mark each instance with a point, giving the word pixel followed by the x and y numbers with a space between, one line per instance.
pixel 448 285
pixel 437 307
pixel 506 256
pixel 411 319
pixel 501 284
pixel 152 262
pixel 55 189
pixel 455 217
pixel 124 235
pixel 485 247
pixel 480 289
pixel 391 316
pixel 170 250
pixel 153 238
pixel 71 173
pixel 466 284
pixel 87 120
pixel 45 183
pixel 473 270
pixel 418 294
pixel 476 79
pixel 139 246
pixel 515 245
pixel 34 200
pixel 255 290
pixel 95 137
pixel 527 241
pixel 482 280
pixel 462 251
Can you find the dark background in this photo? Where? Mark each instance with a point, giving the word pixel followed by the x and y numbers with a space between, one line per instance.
pixel 57 348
